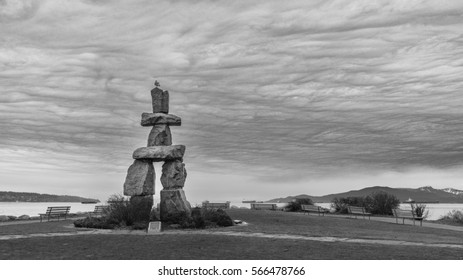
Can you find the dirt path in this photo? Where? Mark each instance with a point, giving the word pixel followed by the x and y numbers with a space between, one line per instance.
pixel 242 234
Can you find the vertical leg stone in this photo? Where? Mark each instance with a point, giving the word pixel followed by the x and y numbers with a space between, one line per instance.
pixel 174 204
pixel 140 178
pixel 173 175
pixel 142 205
pixel 160 100
pixel 160 136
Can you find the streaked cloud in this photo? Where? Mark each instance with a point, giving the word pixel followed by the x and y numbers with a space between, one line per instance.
pixel 274 91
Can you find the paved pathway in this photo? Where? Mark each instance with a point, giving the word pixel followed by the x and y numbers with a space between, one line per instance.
pixel 242 234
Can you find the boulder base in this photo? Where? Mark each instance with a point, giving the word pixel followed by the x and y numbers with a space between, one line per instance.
pixel 160 136
pixel 140 178
pixel 160 153
pixel 174 204
pixel 173 175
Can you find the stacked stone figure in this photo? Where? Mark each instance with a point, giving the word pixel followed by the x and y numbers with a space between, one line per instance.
pixel 139 183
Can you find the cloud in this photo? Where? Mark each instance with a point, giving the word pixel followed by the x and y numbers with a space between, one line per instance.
pixel 268 90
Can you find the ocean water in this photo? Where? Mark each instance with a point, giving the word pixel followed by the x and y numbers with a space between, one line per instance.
pixel 436 210
pixel 34 208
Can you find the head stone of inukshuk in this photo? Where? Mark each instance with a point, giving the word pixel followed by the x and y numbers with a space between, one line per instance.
pixel 139 183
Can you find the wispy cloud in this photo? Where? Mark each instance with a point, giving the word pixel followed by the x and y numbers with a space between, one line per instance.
pixel 270 90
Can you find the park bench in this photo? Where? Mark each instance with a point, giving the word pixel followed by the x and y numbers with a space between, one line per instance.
pixel 56 211
pixel 358 211
pixel 100 210
pixel 312 208
pixel 406 214
pixel 263 206
pixel 216 205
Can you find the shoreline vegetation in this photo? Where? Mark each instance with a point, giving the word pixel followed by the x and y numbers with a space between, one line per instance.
pixel 9 196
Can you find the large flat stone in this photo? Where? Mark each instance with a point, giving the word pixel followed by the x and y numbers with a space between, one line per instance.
pixel 174 203
pixel 160 153
pixel 160 136
pixel 140 178
pixel 173 175
pixel 160 99
pixel 150 119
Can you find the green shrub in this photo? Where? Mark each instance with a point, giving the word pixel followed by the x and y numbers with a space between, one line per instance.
pixel 181 219
pixel 340 204
pixel 380 203
pixel 200 218
pixel 94 222
pixel 420 210
pixel 454 216
pixel 295 205
pixel 128 212
pixel 218 217
pixel 122 212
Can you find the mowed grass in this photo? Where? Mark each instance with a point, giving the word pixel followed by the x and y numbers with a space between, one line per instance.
pixel 195 245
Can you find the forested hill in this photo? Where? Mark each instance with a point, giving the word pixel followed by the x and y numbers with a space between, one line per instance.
pixel 37 197
pixel 423 194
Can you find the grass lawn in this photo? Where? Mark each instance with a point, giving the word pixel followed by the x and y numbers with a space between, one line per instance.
pixel 200 246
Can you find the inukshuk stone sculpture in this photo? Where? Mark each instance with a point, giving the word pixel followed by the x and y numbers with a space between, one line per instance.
pixel 139 183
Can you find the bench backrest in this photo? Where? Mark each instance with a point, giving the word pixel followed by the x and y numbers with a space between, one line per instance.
pixel 356 210
pixel 270 206
pixel 100 208
pixel 58 210
pixel 401 213
pixel 219 205
pixel 308 207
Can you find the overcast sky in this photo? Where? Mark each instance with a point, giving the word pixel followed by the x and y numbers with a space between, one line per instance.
pixel 277 98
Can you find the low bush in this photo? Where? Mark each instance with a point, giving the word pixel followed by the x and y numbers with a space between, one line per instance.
pixel 137 213
pixel 379 203
pixel 200 218
pixel 122 212
pixel 382 203
pixel 340 204
pixel 295 205
pixel 454 216
pixel 94 222
pixel 420 210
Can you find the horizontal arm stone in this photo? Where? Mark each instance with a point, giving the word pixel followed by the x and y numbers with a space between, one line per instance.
pixel 160 153
pixel 150 119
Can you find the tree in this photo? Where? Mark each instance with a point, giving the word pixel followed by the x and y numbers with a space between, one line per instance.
pixel 295 205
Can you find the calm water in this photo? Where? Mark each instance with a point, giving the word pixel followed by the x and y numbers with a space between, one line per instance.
pixel 34 208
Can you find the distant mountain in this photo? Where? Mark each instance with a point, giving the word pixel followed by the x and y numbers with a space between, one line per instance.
pixel 37 197
pixel 423 194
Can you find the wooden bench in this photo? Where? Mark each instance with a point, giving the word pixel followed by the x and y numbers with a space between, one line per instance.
pixel 263 206
pixel 100 210
pixel 56 211
pixel 358 211
pixel 216 205
pixel 406 214
pixel 312 208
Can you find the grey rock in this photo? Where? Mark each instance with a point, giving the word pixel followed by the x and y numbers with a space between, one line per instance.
pixel 160 153
pixel 173 203
pixel 142 199
pixel 150 119
pixel 173 175
pixel 160 136
pixel 140 178
pixel 160 100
